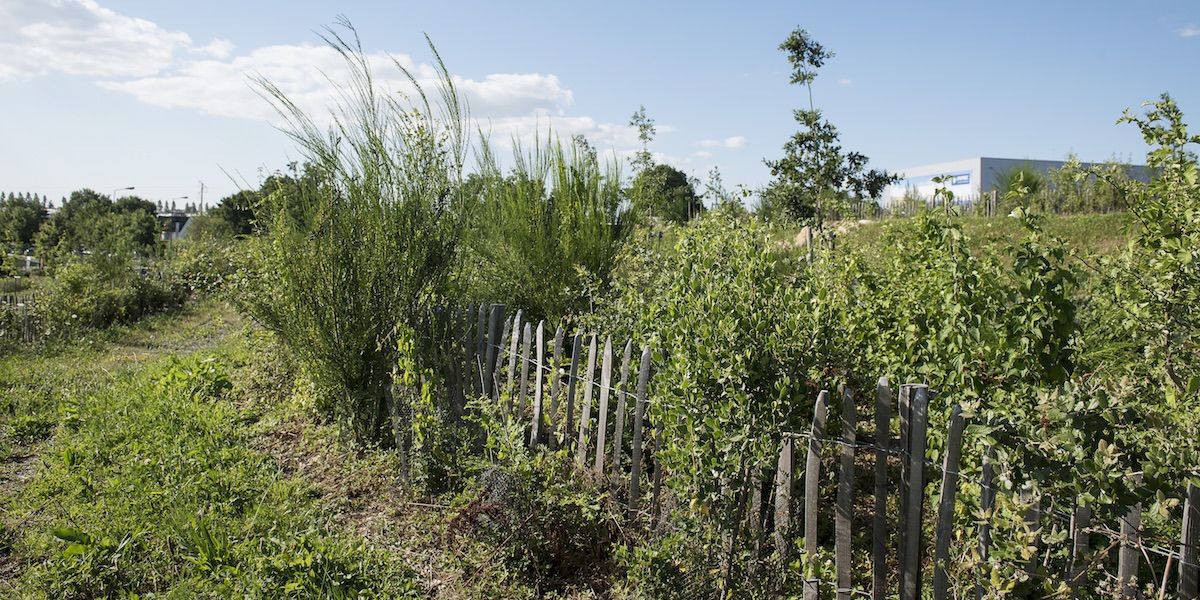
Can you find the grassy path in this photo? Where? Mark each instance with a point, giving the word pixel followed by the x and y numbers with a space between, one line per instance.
pixel 140 461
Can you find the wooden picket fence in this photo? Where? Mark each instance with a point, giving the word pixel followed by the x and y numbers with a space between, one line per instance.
pixel 590 409
pixel 21 324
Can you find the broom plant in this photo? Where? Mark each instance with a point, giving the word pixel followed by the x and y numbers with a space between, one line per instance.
pixel 349 265
pixel 548 232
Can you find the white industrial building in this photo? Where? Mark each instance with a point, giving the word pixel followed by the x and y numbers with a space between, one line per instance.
pixel 972 178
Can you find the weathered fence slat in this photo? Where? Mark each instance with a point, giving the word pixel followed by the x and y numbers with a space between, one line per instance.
pixel 451 360
pixel 535 428
pixel 783 498
pixel 905 414
pixel 754 519
pixel 1033 519
pixel 656 491
pixel 502 352
pixel 845 496
pixel 639 413
pixel 572 386
pixel 1131 541
pixel 480 350
pixel 467 333
pixel 945 516
pixel 987 502
pixel 495 321
pixel 602 418
pixel 1081 520
pixel 622 398
pixel 918 421
pixel 812 480
pixel 555 383
pixel 514 347
pixel 1189 575
pixel 525 343
pixel 883 433
pixel 585 409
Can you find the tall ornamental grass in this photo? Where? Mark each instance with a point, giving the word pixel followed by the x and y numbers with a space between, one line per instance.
pixel 348 266
pixel 547 232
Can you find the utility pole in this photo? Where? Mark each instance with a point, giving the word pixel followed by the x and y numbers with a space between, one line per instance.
pixel 201 192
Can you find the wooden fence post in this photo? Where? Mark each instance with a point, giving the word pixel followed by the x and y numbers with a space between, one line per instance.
pixel 1189 574
pixel 451 359
pixel 755 519
pixel 911 588
pixel 904 409
pixel 555 383
pixel 622 398
pixel 987 503
pixel 495 321
pixel 535 428
pixel 525 343
pixel 572 384
pixel 656 489
pixel 783 498
pixel 585 409
pixel 468 347
pixel 945 518
pixel 845 496
pixel 480 351
pixel 812 480
pixel 514 348
pixel 639 413
pixel 602 418
pixel 883 440
pixel 1131 542
pixel 1081 520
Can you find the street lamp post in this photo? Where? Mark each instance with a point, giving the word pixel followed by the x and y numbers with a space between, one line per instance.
pixel 114 194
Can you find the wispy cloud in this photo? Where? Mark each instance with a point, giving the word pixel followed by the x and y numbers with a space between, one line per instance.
pixel 845 81
pixel 1189 31
pixel 735 142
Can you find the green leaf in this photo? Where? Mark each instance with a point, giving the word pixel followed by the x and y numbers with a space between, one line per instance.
pixel 71 535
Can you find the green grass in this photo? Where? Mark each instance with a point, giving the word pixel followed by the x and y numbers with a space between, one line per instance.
pixel 1087 233
pixel 151 476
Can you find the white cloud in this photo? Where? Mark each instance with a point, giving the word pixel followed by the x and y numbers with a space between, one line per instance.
pixel 735 142
pixel 506 105
pixel 79 37
pixel 217 48
pixel 1189 31
pixel 845 81
pixel 167 69
pixel 702 154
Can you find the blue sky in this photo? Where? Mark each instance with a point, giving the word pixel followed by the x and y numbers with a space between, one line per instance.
pixel 153 94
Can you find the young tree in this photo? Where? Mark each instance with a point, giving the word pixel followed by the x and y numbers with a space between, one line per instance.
pixel 816 176
pixel 642 159
pixel 665 192
pixel 719 198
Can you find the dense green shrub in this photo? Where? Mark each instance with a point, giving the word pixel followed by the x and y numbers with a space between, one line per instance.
pixel 744 337
pixel 90 223
pixel 202 266
pixel 723 312
pixel 96 293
